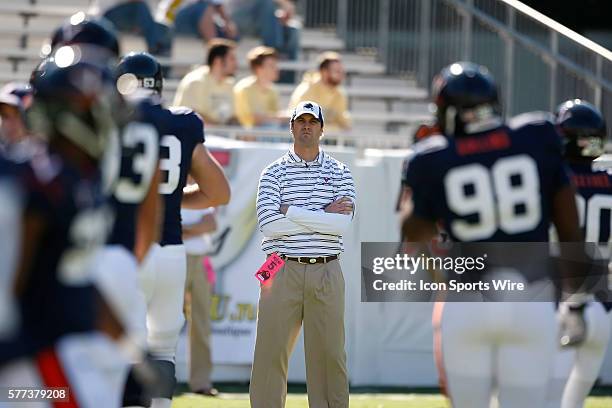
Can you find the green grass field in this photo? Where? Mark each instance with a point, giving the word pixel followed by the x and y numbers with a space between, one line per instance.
pixel 357 401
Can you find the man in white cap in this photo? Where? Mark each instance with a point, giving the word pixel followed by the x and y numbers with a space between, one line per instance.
pixel 305 202
pixel 15 99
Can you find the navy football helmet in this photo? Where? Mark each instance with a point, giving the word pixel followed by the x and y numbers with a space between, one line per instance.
pixel 583 129
pixel 73 99
pixel 139 70
pixel 82 30
pixel 464 93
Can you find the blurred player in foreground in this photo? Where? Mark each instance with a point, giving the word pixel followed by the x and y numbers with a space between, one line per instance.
pixel 65 323
pixel 131 183
pixel 487 182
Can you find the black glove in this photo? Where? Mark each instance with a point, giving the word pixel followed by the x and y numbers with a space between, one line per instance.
pixel 573 326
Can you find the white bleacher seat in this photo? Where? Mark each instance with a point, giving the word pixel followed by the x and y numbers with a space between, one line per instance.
pixel 380 105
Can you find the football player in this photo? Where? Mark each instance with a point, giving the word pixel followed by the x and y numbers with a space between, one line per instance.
pixel 131 169
pixel 487 182
pixel 64 221
pixel 403 205
pixel 182 152
pixel 584 132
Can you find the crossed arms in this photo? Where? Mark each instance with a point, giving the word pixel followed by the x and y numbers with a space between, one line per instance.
pixel 276 220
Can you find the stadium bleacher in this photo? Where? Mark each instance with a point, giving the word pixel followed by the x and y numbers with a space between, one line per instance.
pixel 383 107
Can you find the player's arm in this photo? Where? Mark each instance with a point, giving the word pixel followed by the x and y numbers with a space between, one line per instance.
pixel 418 229
pixel 565 215
pixel 404 201
pixel 418 220
pixel 213 189
pixel 149 222
pixel 575 265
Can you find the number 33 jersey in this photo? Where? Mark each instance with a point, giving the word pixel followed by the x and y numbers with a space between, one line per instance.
pixel 492 186
pixel 181 130
pixel 153 136
pixel 130 165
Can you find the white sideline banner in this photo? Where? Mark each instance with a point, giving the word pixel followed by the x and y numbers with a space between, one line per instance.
pixel 388 344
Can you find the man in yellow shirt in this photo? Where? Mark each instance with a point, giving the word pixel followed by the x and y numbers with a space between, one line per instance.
pixel 256 99
pixel 208 90
pixel 324 87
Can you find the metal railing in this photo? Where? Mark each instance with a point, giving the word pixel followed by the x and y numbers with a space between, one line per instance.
pixel 352 139
pixel 537 61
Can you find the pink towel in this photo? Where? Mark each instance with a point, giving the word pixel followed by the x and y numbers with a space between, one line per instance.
pixel 211 275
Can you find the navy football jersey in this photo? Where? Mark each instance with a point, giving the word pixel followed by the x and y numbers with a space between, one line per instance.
pixel 493 186
pixel 182 130
pixel 594 202
pixel 132 163
pixel 57 296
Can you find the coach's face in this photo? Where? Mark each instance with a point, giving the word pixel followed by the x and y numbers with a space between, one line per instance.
pixel 306 130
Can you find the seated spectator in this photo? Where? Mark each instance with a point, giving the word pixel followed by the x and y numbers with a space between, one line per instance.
pixel 208 89
pixel 134 16
pixel 256 100
pixel 196 18
pixel 324 87
pixel 273 22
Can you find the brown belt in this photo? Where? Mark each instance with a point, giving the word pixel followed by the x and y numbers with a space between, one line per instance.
pixel 305 260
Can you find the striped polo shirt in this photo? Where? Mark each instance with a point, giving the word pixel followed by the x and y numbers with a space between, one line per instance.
pixel 309 185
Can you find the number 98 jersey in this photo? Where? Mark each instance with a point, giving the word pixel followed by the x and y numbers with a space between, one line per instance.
pixel 492 186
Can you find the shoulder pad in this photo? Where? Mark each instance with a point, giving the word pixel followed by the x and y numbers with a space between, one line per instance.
pixel 180 110
pixel 407 160
pixel 536 118
pixel 603 163
pixel 430 144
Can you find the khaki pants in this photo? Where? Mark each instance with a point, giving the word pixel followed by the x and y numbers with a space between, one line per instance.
pixel 198 316
pixel 313 294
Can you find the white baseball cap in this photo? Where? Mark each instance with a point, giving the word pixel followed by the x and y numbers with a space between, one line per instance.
pixel 312 108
